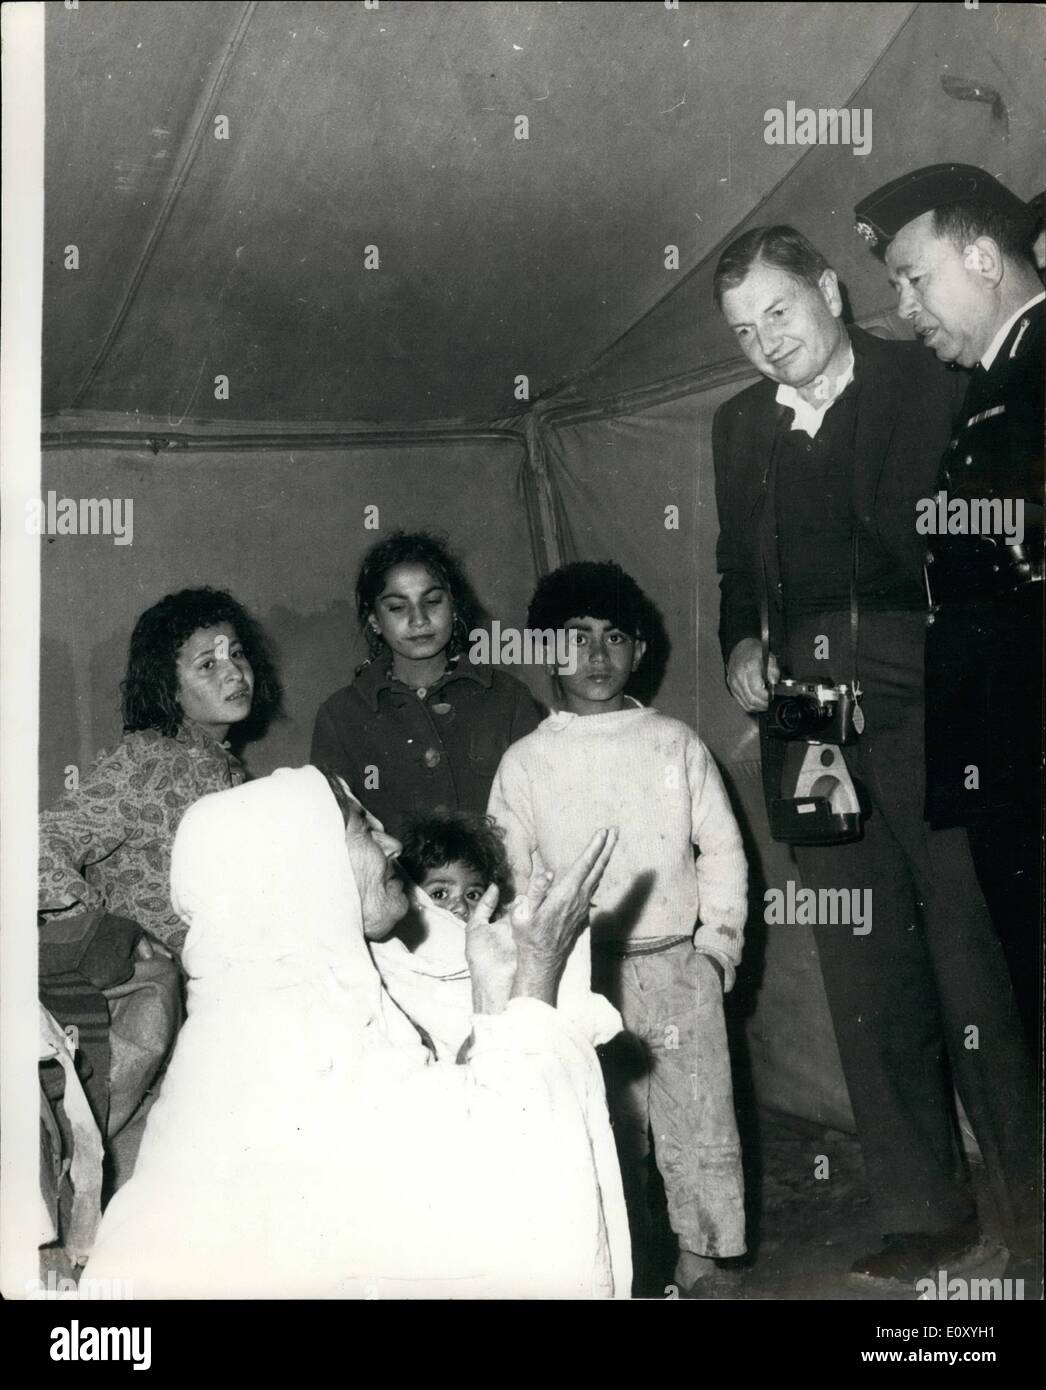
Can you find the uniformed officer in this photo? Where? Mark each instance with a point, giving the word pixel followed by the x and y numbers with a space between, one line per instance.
pixel 958 246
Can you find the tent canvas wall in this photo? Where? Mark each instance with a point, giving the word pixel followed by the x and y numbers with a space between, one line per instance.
pixel 499 258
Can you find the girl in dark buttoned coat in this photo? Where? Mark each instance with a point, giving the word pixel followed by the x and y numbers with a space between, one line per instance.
pixel 422 727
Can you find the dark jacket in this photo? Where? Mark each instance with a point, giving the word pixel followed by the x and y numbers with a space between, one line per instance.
pixel 400 753
pixel 904 415
pixel 984 651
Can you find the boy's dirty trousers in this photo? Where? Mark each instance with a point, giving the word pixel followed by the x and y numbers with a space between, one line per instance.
pixel 669 1073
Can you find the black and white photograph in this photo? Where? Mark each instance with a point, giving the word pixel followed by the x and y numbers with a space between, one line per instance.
pixel 522 660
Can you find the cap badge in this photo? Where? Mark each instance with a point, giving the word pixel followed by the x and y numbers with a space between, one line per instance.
pixel 869 233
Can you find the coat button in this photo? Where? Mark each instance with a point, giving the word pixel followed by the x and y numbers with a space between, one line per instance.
pixel 432 757
pixel 968 460
pixel 441 708
pixel 929 620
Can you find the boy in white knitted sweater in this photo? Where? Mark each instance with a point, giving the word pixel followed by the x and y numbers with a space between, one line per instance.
pixel 665 932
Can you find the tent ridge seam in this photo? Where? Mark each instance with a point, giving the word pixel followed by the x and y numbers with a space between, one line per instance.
pixel 706 378
pixel 166 442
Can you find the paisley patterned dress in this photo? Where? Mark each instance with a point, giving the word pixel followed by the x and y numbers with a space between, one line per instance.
pixel 108 843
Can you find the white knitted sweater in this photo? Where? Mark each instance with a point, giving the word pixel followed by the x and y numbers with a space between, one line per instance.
pixel 655 780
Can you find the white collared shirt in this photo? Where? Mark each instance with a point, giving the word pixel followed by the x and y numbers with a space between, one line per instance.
pixel 808 417
pixel 1000 337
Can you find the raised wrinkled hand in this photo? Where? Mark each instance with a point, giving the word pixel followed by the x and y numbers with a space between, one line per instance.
pixel 546 921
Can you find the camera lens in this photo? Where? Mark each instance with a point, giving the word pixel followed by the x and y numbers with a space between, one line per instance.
pixel 801 716
pixel 790 715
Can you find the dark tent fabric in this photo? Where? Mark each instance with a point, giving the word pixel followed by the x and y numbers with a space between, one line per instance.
pixel 394 128
pixel 500 259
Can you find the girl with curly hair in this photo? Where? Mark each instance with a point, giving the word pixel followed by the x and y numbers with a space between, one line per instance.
pixel 198 667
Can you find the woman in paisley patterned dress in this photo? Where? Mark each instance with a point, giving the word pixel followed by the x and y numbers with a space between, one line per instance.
pixel 198 665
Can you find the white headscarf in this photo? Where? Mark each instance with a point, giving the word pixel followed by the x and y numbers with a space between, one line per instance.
pixel 304 1145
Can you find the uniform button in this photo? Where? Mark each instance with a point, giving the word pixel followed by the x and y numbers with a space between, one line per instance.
pixel 441 708
pixel 929 620
pixel 432 757
pixel 968 460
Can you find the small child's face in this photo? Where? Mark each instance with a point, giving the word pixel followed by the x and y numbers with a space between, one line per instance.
pixel 413 613
pixel 606 657
pixel 456 887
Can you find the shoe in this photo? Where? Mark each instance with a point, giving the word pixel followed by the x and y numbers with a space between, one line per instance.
pixel 914 1255
pixel 724 1280
pixel 720 1283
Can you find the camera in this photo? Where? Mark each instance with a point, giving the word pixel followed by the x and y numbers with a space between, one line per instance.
pixel 824 808
pixel 805 711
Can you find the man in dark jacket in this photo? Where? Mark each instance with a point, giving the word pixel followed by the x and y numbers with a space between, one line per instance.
pixel 958 246
pixel 819 471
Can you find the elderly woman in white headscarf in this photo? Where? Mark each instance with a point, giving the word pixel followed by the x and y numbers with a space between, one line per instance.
pixel 306 1142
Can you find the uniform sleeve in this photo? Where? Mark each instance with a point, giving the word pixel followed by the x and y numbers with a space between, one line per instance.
pixel 511 806
pixel 722 871
pixel 88 825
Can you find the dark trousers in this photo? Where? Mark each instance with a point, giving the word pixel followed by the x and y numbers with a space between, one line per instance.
pixel 1007 853
pixel 984 708
pixel 925 997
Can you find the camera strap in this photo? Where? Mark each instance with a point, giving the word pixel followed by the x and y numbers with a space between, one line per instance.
pixel 768 535
pixel 855 628
pixel 764 619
